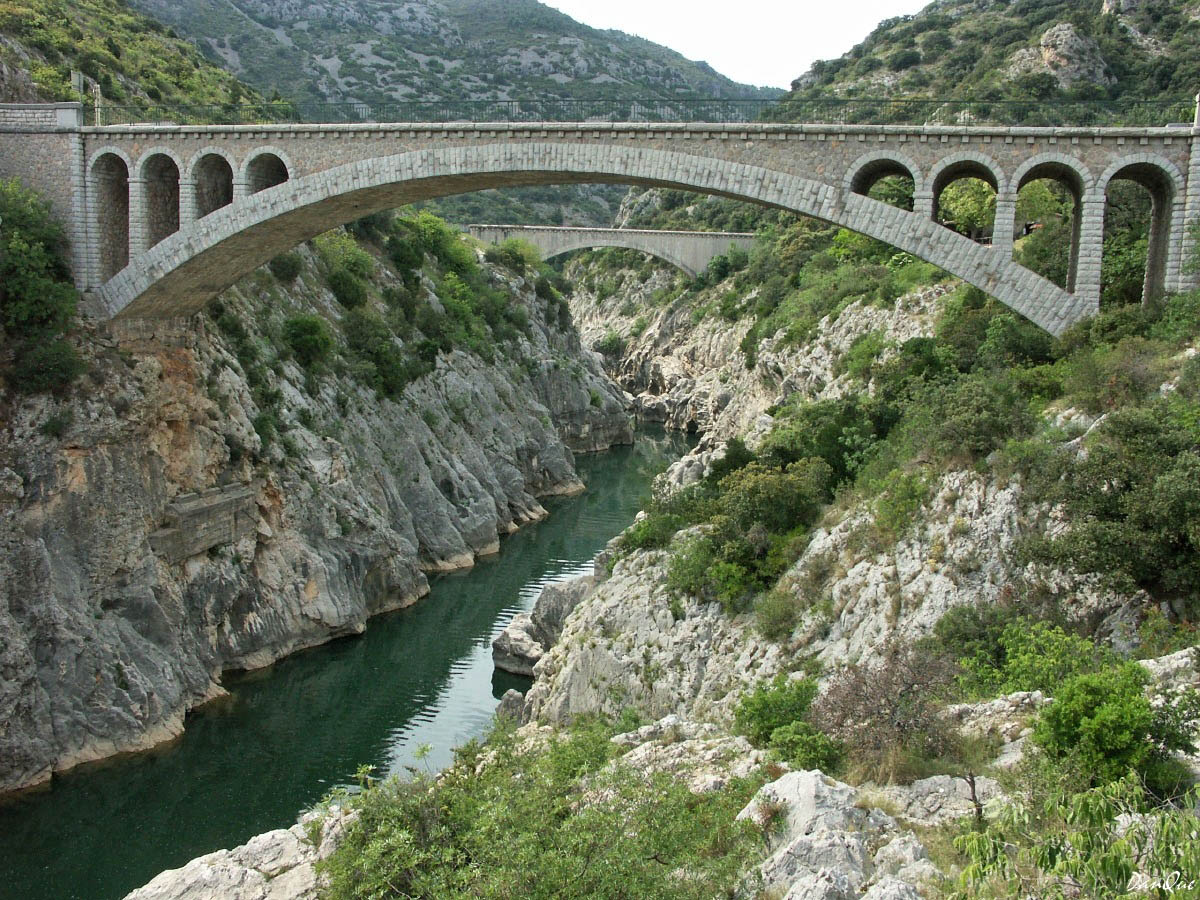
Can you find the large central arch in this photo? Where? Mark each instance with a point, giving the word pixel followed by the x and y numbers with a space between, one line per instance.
pixel 180 274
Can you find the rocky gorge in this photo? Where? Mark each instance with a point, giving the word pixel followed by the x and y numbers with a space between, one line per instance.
pixel 195 508
pixel 621 640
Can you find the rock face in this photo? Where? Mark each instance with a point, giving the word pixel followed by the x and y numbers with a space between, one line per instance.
pixel 825 846
pixel 625 646
pixel 1072 58
pixel 519 647
pixel 692 376
pixel 182 513
pixel 277 865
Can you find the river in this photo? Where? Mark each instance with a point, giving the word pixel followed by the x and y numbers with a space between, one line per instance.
pixel 290 733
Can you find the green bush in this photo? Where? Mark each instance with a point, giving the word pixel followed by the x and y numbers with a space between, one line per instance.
pixel 1105 724
pixel 1132 501
pixel 49 365
pixel 1096 841
pixel 521 819
pixel 339 250
pixel 974 416
pixel 778 501
pixel 348 289
pixel 309 338
pixel 36 295
pixel 286 267
pixel 860 359
pixel 611 345
pixel 652 532
pixel 803 747
pixel 772 705
pixel 776 614
pixel 1114 376
pixel 37 299
pixel 404 252
pixel 1031 656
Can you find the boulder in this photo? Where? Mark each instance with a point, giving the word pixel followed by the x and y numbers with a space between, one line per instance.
pixel 516 649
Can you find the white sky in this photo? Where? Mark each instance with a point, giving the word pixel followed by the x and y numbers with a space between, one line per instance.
pixel 762 42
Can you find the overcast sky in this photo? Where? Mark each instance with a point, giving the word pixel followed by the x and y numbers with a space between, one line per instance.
pixel 763 42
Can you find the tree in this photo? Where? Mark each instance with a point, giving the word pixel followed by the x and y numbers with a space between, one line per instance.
pixel 1099 843
pixel 968 205
pixel 309 338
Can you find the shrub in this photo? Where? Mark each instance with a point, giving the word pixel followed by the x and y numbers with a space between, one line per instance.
pixel 338 250
pixel 37 299
pixel 904 59
pixel 57 424
pixel 775 500
pixel 652 532
pixel 309 338
pixel 902 495
pixel 888 713
pixel 1111 377
pixel 803 747
pixel 348 289
pixel 1032 656
pixel 1100 843
pixel 771 705
pixel 776 613
pixel 859 360
pixel 611 345
pixel 975 415
pixel 573 827
pixel 1105 723
pixel 46 366
pixel 404 252
pixel 1130 503
pixel 286 266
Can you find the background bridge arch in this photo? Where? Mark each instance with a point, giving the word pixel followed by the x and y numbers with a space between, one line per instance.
pixel 690 251
pixel 183 272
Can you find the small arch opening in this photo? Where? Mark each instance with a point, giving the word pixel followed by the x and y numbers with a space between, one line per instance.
pixel 213 178
pixel 1049 218
pixel 110 180
pixel 161 175
pixel 266 171
pixel 1137 226
pixel 887 181
pixel 964 199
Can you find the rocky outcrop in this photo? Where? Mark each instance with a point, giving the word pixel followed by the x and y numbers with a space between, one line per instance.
pixel 825 846
pixel 277 865
pixel 1071 57
pixel 691 375
pixel 525 640
pixel 201 503
pixel 699 753
pixel 629 646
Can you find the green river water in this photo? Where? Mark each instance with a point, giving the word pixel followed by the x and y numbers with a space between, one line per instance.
pixel 289 734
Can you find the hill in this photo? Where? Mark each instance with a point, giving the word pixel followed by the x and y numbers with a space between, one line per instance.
pixel 1031 49
pixel 132 57
pixel 380 52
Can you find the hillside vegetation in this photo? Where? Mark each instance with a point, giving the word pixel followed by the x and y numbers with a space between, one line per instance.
pixel 1026 50
pixel 132 57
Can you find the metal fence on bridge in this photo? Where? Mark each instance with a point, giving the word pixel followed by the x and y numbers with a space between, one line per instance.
pixel 823 111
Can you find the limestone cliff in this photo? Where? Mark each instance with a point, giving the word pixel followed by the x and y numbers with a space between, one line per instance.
pixel 180 513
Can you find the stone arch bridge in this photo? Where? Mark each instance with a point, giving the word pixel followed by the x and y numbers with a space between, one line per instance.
pixel 164 217
pixel 690 251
